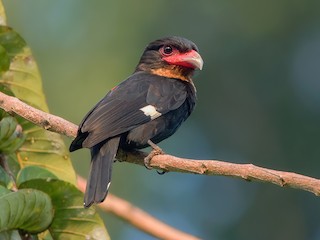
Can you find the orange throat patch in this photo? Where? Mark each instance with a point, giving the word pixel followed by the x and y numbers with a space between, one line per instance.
pixel 174 72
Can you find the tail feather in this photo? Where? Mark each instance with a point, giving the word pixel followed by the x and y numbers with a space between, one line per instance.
pixel 77 142
pixel 100 173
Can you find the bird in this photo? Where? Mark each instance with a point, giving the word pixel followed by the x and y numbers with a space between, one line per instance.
pixel 146 108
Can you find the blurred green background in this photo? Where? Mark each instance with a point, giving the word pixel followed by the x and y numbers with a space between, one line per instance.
pixel 258 102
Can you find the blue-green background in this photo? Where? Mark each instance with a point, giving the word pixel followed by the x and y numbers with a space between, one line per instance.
pixel 258 102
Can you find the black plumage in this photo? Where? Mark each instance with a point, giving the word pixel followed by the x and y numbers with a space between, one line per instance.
pixel 150 105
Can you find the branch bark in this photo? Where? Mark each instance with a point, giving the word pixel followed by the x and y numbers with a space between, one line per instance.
pixel 45 120
pixel 247 172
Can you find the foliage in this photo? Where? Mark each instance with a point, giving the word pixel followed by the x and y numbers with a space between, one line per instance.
pixel 46 197
pixel 27 209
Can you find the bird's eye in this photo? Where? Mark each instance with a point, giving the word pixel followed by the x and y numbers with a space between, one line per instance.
pixel 166 50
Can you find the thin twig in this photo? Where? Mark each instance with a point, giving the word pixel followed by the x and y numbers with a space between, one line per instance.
pixel 137 217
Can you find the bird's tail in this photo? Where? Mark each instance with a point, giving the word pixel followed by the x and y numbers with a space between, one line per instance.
pixel 102 156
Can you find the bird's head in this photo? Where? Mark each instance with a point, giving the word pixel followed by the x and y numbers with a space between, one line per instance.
pixel 172 57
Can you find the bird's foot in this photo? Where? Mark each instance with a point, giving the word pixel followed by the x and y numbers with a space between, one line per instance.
pixel 156 150
pixel 148 158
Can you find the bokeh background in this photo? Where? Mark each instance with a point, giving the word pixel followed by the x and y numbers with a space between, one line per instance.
pixel 258 102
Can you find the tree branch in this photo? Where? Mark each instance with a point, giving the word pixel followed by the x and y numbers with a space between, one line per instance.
pixel 248 172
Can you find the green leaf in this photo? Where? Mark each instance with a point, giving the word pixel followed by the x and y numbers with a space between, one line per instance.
pixel 4 191
pixel 13 164
pixel 27 209
pixel 67 201
pixel 41 148
pixel 11 135
pixel 4 178
pixel 23 78
pixel 4 60
pixel 46 150
pixel 34 172
pixel 10 235
pixel 11 41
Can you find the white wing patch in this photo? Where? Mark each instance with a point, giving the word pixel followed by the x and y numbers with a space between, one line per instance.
pixel 150 111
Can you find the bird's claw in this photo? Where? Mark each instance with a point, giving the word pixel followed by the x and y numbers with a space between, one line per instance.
pixel 155 151
pixel 148 158
pixel 161 172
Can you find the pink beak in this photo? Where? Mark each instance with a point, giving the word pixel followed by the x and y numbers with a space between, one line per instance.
pixel 191 59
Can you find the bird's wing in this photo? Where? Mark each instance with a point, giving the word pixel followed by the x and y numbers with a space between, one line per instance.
pixel 140 99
